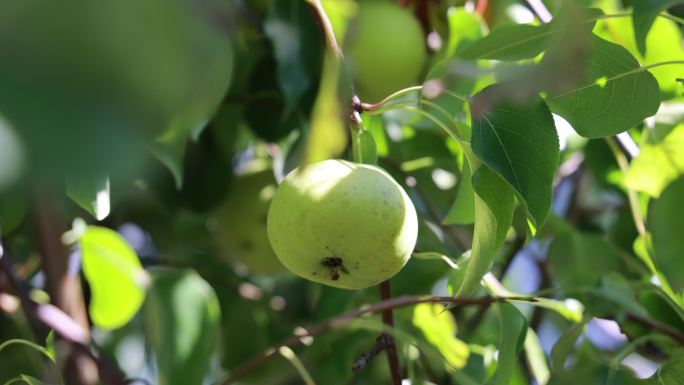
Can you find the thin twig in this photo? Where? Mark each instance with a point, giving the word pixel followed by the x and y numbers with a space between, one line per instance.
pixel 48 316
pixel 350 316
pixel 390 346
pixel 380 345
pixel 62 282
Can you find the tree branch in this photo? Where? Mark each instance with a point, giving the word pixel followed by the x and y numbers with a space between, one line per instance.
pixel 350 316
pixel 390 346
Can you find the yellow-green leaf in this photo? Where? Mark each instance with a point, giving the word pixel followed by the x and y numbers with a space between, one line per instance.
pixel 116 277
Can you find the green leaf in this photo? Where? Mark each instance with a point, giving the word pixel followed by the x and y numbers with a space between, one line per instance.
pixel 572 252
pixel 106 93
pixel 666 221
pixel 494 204
pixel 464 28
pixel 90 194
pixel 13 209
pixel 509 42
pixel 296 46
pixel 564 345
pixel 327 133
pixel 439 328
pixel 31 345
pixel 672 372
pixel 513 330
pixel 116 278
pixel 657 164
pixel 520 143
pixel 614 95
pixel 644 14
pixel 22 378
pixel 663 45
pixel 363 147
pixel 182 316
pixel 462 211
pixel 512 42
pixel 536 358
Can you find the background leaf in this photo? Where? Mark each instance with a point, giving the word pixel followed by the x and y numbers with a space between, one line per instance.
pixel 291 29
pixel 657 164
pixel 115 276
pixel 92 195
pixel 513 328
pixel 182 317
pixel 565 344
pixel 665 223
pixel 643 16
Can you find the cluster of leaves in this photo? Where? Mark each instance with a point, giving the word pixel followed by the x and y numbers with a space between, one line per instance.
pixel 142 117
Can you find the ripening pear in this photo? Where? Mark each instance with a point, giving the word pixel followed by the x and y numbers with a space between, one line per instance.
pixel 387 50
pixel 343 224
pixel 240 221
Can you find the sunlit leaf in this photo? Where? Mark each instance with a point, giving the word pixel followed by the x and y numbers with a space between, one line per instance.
pixel 116 277
pixel 663 44
pixel 645 13
pixel 182 318
pixel 439 328
pixel 666 220
pixel 614 95
pixel 536 358
pixel 658 164
pixel 464 28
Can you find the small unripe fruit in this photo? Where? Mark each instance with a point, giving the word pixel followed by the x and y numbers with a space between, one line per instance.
pixel 387 50
pixel 343 224
pixel 240 221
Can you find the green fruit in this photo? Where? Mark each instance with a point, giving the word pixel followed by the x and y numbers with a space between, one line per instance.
pixel 342 224
pixel 386 46
pixel 241 221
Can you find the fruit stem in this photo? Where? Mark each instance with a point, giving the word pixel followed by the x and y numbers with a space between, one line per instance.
pixel 390 346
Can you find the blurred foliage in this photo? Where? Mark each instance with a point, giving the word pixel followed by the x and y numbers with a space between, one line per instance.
pixel 162 128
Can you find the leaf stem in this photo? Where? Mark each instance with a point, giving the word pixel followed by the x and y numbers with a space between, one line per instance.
pixel 290 355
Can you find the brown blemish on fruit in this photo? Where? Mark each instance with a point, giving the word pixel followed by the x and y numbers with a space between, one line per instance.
pixel 334 266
